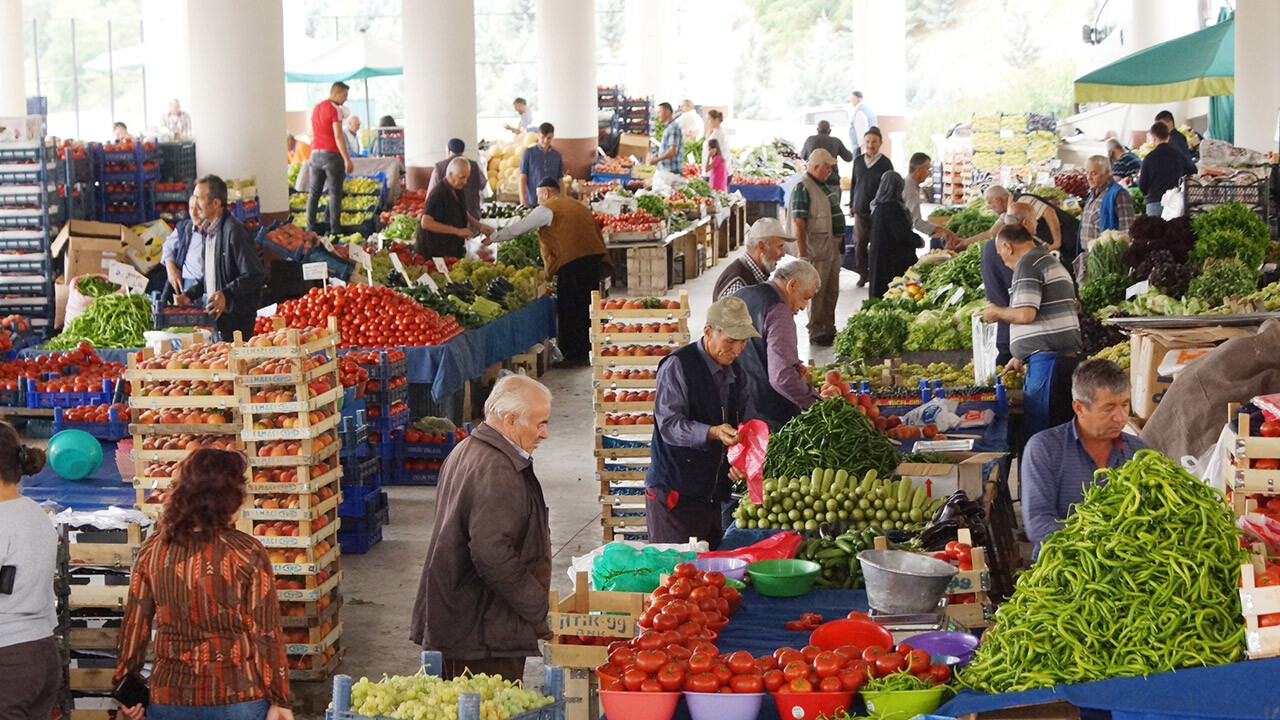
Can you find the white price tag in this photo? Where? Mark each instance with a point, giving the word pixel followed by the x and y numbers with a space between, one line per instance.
pixel 1006 133
pixel 315 271
pixel 425 279
pixel 955 297
pixel 268 311
pixel 327 243
pixel 1043 179
pixel 1137 289
pixel 126 276
pixel 399 266
pixel 337 282
pixel 440 266
pixel 357 253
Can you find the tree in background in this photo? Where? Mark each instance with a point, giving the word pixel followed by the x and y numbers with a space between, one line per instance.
pixel 1020 49
pixel 751 78
pixel 820 67
pixel 505 69
pixel 930 14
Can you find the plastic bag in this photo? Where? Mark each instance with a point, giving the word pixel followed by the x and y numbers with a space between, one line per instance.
pixel 666 182
pixel 1261 526
pixel 984 350
pixel 781 546
pixel 78 302
pixel 624 568
pixel 1211 467
pixel 748 456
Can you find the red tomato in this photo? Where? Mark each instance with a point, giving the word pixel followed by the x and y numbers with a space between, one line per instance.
pixel 650 661
pixel 671 677
pixel 633 678
pixel 830 684
pixel 918 661
pixel 800 685
pixel 939 673
pixel 746 683
pixel 795 669
pixel 774 679
pixel 889 664
pixel 872 653
pixel 702 682
pixel 853 678
pixel 651 686
pixel 700 663
pixel 722 672
pixel 740 662
pixel 827 664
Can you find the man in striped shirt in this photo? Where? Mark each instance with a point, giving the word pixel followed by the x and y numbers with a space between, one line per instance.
pixel 1044 332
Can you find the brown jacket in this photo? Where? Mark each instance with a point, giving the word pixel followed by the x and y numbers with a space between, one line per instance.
pixel 484 587
pixel 572 234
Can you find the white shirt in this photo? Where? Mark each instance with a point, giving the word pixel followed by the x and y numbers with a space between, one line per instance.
pixel 539 217
pixel 911 197
pixel 690 125
pixel 861 124
pixel 526 119
pixel 210 235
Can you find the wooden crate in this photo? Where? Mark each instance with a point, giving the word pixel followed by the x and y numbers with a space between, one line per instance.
pixel 707 242
pixel 1260 642
pixel 1246 447
pixel 977 581
pixel 108 555
pixel 590 613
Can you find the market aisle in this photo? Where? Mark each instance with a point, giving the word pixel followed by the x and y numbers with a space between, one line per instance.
pixel 380 586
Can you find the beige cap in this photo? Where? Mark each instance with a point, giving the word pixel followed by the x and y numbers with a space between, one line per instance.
pixel 821 157
pixel 767 227
pixel 730 314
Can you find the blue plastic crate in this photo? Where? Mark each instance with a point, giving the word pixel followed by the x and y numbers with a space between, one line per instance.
pixel 34 238
pixel 387 447
pixel 362 525
pixel 266 242
pixel 353 543
pixel 27 154
pixel 365 471
pixel 12 398
pixel 386 423
pixel 400 476
pixel 353 431
pixel 385 398
pixel 37 399
pixel 609 442
pixel 177 161
pixel 115 429
pixel 359 501
pixel 338 267
pixel 163 316
pixel 30 285
pixel 243 210
pixel 385 369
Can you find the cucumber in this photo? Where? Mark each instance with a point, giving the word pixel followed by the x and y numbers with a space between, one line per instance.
pixel 815 480
pixel 904 491
pixel 842 476
pixel 828 476
pixel 918 499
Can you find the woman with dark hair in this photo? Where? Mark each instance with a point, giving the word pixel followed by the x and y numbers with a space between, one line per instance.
pixel 893 241
pixel 210 591
pixel 29 660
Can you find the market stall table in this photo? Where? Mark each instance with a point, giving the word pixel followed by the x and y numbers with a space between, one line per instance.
pixel 103 489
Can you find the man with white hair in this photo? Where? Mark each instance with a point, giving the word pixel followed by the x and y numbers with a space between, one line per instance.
pixel 1048 223
pixel 177 121
pixel 475 183
pixel 779 382
pixel 351 133
pixel 1108 207
pixel 689 121
pixel 766 244
pixel 482 600
pixel 445 219
pixel 701 400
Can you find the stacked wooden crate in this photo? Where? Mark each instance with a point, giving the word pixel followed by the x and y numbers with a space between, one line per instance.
pixel 1252 479
pixel 623 401
pixel 288 390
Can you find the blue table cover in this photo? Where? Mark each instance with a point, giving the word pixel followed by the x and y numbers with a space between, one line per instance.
pixel 759 193
pixel 99 491
pixel 758 626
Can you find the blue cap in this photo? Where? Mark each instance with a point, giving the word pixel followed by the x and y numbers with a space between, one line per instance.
pixel 456 145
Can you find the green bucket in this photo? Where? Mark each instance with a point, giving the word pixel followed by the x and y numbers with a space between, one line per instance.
pixel 783 578
pixel 903 704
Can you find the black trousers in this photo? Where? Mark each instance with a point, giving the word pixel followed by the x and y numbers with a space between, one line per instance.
pixel 329 166
pixel 227 325
pixel 689 518
pixel 574 283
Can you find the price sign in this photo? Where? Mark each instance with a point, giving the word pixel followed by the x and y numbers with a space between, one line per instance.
pixel 327 243
pixel 358 254
pixel 399 266
pixel 126 276
pixel 1137 289
pixel 1042 178
pixel 425 279
pixel 337 282
pixel 955 297
pixel 440 266
pixel 268 311
pixel 378 241
pixel 315 271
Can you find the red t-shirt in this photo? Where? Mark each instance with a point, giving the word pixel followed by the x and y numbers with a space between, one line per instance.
pixel 323 116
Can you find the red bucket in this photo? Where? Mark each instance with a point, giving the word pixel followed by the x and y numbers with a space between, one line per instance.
pixel 810 705
pixel 638 705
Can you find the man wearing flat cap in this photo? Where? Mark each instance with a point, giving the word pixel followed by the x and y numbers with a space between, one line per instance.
pixel 818 222
pixel 475 182
pixel 701 400
pixel 572 250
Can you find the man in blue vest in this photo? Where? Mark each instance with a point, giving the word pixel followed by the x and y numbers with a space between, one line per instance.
pixel 701 399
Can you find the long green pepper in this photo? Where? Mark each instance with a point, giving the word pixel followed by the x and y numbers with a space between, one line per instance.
pixel 111 321
pixel 1140 579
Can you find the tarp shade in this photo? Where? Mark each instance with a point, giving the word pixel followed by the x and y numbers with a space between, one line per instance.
pixel 360 57
pixel 1196 65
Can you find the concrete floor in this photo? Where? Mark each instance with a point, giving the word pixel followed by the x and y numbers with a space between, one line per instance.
pixel 380 586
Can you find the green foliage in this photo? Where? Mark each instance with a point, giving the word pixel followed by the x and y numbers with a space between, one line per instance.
pixel 1106 257
pixel 873 335
pixel 964 270
pixel 1102 290
pixel 1231 230
pixel 821 64
pixel 788 24
pixel 1223 279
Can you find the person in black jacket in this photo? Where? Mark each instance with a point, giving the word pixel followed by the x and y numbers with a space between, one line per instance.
pixel 1162 168
pixel 868 168
pixel 893 241
pixel 233 272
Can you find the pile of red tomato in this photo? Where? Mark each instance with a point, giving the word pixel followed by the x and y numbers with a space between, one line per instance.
pixel 959 555
pixel 350 374
pixel 368 316
pixel 638 221
pixel 79 370
pixel 414 436
pixel 96 413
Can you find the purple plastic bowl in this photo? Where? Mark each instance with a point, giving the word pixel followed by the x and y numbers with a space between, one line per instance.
pixel 724 706
pixel 731 567
pixel 956 644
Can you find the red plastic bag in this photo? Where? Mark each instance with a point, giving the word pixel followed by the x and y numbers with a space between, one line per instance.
pixel 748 456
pixel 782 546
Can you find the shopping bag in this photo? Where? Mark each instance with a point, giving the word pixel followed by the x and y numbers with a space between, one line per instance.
pixel 748 456
pixel 781 546
pixel 984 350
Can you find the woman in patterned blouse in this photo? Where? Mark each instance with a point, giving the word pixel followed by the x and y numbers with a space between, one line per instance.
pixel 210 592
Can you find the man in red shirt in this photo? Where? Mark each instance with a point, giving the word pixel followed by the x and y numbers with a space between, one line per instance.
pixel 329 158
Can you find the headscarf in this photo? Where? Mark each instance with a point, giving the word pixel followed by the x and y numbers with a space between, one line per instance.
pixel 890 191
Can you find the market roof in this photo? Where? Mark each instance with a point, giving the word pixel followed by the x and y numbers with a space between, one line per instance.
pixel 1195 65
pixel 361 56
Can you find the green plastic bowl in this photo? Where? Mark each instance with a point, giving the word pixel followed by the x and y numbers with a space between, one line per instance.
pixel 783 578
pixel 735 584
pixel 903 704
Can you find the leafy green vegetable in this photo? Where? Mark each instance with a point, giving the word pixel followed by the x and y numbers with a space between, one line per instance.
pixel 1223 279
pixel 1231 230
pixel 830 434
pixel 971 221
pixel 873 335
pixel 698 187
pixel 1106 256
pixel 938 330
pixel 1102 290
pixel 964 270
pixel 402 227
pixel 653 205
pixel 521 251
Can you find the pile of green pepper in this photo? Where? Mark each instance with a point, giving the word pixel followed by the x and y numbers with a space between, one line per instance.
pixel 830 434
pixel 1141 579
pixel 111 321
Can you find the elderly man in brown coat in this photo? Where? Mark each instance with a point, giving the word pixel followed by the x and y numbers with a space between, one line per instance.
pixel 482 601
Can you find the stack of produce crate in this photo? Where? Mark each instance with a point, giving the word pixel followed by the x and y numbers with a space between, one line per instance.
pixel 97 563
pixel 30 216
pixel 623 395
pixel 288 392
pixel 386 398
pixel 362 198
pixel 424 446
pixel 388 142
pixel 77 191
pixel 606 105
pixel 181 400
pixel 583 624
pixel 127 176
pixel 1253 483
pixel 177 180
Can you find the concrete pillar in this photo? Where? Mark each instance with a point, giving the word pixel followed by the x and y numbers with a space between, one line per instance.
pixel 1257 74
pixel 165 27
pixel 237 93
pixel 651 61
pixel 13 76
pixel 439 82
pixel 566 32
pixel 880 68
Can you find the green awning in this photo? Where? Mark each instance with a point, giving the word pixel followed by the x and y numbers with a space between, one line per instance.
pixel 1196 65
pixel 357 58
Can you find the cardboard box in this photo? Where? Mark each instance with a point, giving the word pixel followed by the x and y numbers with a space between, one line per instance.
pixel 965 473
pixel 581 694
pixel 92 246
pixel 23 129
pixel 1147 350
pixel 633 144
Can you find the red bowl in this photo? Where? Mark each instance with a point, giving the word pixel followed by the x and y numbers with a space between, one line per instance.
pixel 638 705
pixel 859 633
pixel 608 674
pixel 811 705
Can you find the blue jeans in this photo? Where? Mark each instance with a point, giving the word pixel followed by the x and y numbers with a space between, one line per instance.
pixel 1154 209
pixel 253 710
pixel 1046 399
